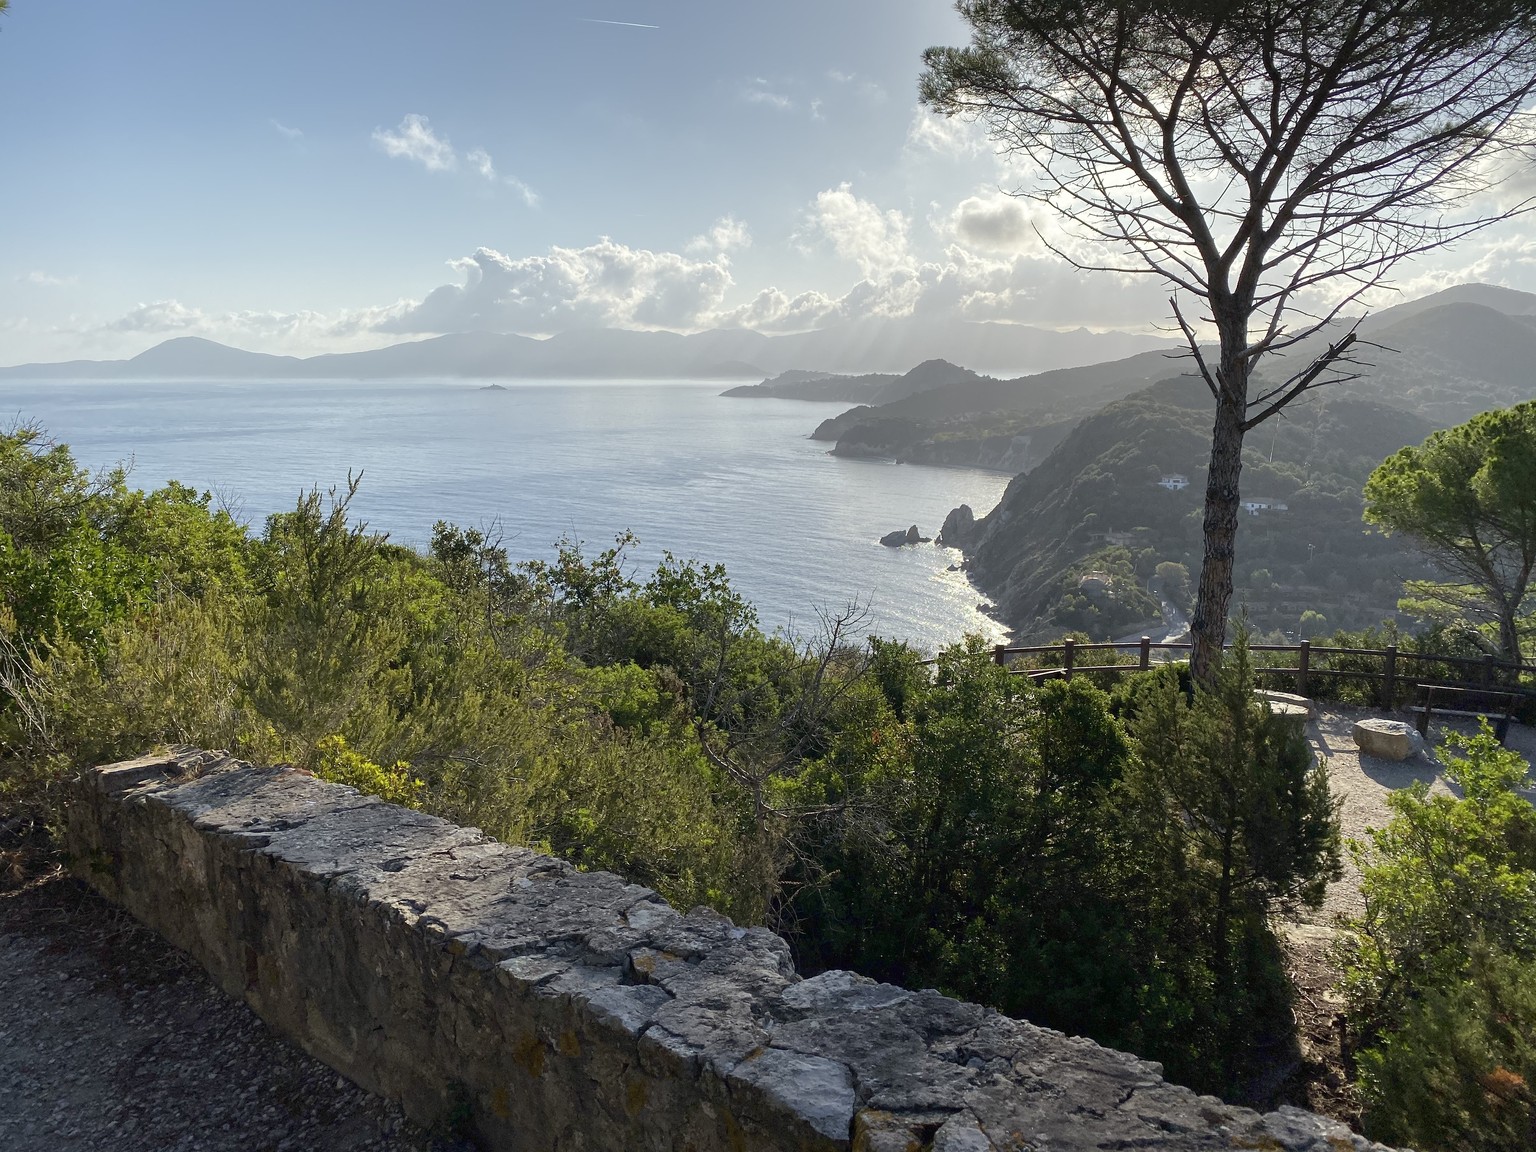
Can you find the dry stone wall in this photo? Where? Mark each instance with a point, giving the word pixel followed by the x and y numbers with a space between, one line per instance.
pixel 540 1007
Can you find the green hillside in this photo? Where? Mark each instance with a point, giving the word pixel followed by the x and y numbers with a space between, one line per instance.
pixel 1096 505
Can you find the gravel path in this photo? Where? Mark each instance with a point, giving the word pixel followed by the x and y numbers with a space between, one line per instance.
pixel 1362 782
pixel 110 1039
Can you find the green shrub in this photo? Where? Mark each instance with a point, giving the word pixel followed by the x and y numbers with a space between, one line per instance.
pixel 1438 972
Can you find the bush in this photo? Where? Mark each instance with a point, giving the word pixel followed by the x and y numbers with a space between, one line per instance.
pixel 1438 972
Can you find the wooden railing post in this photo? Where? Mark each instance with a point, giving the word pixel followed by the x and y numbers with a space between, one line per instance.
pixel 1000 654
pixel 1389 679
pixel 1487 671
pixel 1146 653
pixel 1068 651
pixel 1303 666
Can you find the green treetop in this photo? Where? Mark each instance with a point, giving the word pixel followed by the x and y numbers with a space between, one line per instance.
pixel 1468 496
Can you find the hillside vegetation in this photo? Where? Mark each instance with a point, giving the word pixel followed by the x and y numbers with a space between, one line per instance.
pixel 1109 867
pixel 1096 500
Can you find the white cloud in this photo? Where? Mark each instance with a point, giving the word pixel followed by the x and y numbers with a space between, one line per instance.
pixel 989 269
pixel 48 280
pixel 859 231
pixel 254 330
pixel 284 130
pixel 949 136
pixel 867 90
pixel 726 235
pixel 415 140
pixel 759 91
pixel 774 311
pixel 480 160
pixel 993 222
pixel 606 284
pixel 530 197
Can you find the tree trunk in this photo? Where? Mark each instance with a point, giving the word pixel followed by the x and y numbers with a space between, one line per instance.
pixel 1208 625
pixel 1509 635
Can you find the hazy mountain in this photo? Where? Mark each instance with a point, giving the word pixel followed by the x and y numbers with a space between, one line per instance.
pixel 1445 357
pixel 871 388
pixel 872 345
pixel 983 422
pixel 1509 301
pixel 799 384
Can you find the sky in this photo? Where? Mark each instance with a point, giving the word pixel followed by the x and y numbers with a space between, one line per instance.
pixel 337 175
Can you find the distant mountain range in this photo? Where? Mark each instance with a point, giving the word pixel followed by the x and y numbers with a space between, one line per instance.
pixel 878 345
pixel 1445 358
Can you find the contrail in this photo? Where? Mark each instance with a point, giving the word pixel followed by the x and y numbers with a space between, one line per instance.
pixel 620 23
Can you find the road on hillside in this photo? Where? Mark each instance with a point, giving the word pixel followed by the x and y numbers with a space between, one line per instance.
pixel 1175 629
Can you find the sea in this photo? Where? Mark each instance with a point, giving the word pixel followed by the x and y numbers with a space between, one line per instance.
pixel 688 471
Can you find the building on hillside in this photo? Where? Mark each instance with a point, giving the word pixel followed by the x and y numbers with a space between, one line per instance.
pixel 1255 505
pixel 1174 481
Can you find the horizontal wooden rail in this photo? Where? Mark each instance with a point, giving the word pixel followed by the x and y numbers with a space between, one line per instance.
pixel 1312 661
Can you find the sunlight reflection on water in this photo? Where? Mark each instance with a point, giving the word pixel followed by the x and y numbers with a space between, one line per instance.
pixel 689 471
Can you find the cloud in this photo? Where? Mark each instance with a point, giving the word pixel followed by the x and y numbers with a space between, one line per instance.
pixel 606 284
pixel 774 311
pixel 726 235
pixel 48 280
pixel 859 231
pixel 993 223
pixel 284 130
pixel 277 331
pixel 530 197
pixel 758 91
pixel 989 269
pixel 415 140
pixel 992 269
pixel 867 90
pixel 950 136
pixel 480 161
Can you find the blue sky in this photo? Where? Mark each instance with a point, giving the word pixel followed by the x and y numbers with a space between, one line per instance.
pixel 337 175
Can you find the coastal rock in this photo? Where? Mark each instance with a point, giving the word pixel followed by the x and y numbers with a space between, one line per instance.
pixel 958 527
pixel 899 537
pixel 1387 739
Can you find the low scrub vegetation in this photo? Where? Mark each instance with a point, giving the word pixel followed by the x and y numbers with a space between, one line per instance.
pixel 1107 860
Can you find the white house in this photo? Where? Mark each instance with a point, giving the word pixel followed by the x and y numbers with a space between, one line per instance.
pixel 1174 481
pixel 1254 505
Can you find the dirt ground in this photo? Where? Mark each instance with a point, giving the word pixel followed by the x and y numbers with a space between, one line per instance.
pixel 112 1039
pixel 1362 783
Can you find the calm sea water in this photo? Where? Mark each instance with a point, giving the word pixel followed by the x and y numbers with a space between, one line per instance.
pixel 733 481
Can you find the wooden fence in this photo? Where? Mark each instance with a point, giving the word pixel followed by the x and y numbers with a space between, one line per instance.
pixel 1391 671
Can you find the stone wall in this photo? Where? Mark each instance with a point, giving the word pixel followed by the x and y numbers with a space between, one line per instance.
pixel 539 1007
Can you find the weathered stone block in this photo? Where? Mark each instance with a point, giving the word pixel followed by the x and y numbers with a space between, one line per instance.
pixel 572 1010
pixel 1288 703
pixel 1386 739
